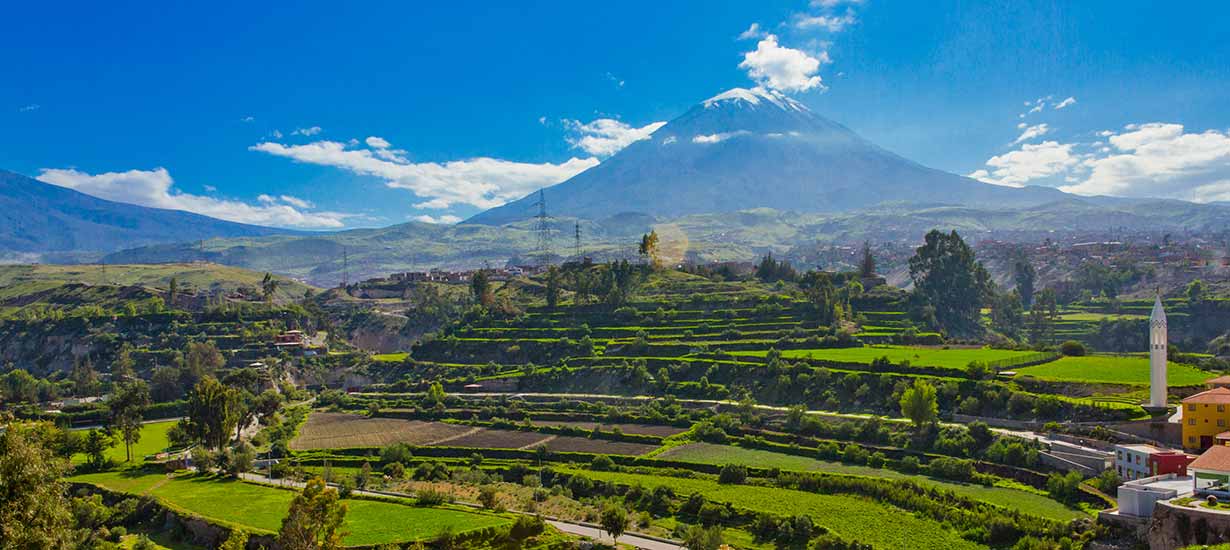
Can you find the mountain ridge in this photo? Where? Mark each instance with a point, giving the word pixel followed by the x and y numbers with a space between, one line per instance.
pixel 40 221
pixel 755 148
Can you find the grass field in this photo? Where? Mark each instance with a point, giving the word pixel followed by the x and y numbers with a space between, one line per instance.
pixel 850 517
pixel 261 508
pixel 1095 317
pixel 390 357
pixel 16 280
pixel 1107 369
pixel 153 441
pixel 1024 501
pixel 929 357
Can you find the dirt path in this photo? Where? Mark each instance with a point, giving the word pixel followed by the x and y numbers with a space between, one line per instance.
pixel 471 431
pixel 543 441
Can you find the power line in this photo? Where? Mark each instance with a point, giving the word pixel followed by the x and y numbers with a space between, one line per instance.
pixel 542 229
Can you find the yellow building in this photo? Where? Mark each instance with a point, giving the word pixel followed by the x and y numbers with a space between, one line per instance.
pixel 1205 415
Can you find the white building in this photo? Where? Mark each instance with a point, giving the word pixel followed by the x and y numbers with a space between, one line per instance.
pixel 1138 498
pixel 1157 355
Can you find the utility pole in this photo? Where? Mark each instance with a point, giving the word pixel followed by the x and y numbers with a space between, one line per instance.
pixel 577 243
pixel 542 228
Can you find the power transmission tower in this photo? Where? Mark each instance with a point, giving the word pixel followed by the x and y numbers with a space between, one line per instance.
pixel 576 252
pixel 542 228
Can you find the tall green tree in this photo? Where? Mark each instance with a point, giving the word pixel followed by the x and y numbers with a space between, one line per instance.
pixel 553 287
pixel 213 411
pixel 128 406
pixel 173 290
pixel 95 445
pixel 269 286
pixel 614 519
pixel 1007 317
pixel 314 521
pixel 34 512
pixel 648 248
pixel 867 266
pixel 1042 317
pixel 1024 275
pixel 919 404
pixel 85 378
pixel 948 278
pixel 480 286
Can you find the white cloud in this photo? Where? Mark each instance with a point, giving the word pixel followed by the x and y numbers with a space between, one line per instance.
pixel 605 136
pixel 715 138
pixel 831 23
pixel 619 82
pixel 1031 132
pixel 276 134
pixel 377 142
pixel 1160 160
pixel 780 68
pixel 753 31
pixel 1030 162
pixel 833 3
pixel 1070 101
pixel 306 131
pixel 669 140
pixel 445 219
pixel 28 108
pixel 154 188
pixel 482 182
pixel 297 202
pixel 247 119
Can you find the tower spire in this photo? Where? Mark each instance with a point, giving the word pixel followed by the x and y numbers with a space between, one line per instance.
pixel 1157 354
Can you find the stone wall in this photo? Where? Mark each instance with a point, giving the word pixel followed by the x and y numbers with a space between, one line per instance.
pixel 1175 527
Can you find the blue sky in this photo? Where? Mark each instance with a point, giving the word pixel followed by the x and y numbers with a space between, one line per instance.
pixel 197 106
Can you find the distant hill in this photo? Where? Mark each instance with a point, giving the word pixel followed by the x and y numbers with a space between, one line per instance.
pixel 754 148
pixel 40 221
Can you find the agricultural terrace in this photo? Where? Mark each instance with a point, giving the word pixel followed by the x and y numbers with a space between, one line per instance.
pixel 1004 493
pixel 261 508
pixel 952 358
pixel 1113 369
pixel 846 516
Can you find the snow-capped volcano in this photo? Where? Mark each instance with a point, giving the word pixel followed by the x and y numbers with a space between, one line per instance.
pixel 749 148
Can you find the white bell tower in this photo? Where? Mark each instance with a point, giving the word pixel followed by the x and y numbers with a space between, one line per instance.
pixel 1157 355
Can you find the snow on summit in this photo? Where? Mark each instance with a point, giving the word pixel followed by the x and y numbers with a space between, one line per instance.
pixel 754 96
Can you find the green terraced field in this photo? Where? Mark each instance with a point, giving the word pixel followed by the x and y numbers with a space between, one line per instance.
pixel 153 441
pixel 262 508
pixel 1024 501
pixel 1108 369
pixel 847 516
pixel 917 356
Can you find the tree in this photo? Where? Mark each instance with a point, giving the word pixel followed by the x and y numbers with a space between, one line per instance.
pixel 123 367
pixel 1042 317
pixel 269 286
pixel 173 289
pixel 128 407
pixel 95 447
pixel 165 384
pixel 867 266
pixel 613 520
pixel 648 248
pixel 699 537
pixel 200 360
pixel 480 286
pixel 213 411
pixel 949 279
pixel 583 286
pixel 525 527
pixel 821 293
pixel 1195 291
pixel 770 270
pixel 34 512
pixel 315 519
pixel 1024 275
pixel 553 289
pixel 85 378
pixel 918 403
pixel 1007 317
pixel 237 540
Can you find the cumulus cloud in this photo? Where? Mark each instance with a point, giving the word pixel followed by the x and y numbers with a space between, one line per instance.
pixel 605 136
pixel 1161 160
pixel 1155 159
pixel 1070 101
pixel 306 131
pixel 154 188
pixel 377 142
pixel 828 22
pixel 753 31
pixel 1031 132
pixel 780 68
pixel 482 182
pixel 1030 162
pixel 445 219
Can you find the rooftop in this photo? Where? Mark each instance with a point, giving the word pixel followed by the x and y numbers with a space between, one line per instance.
pixel 1220 380
pixel 1215 396
pixel 1143 448
pixel 1217 459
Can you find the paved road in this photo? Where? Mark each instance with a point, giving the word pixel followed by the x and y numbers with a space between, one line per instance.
pixel 565 526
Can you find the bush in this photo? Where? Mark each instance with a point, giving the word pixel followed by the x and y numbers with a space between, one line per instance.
pixel 395 470
pixel 602 463
pixel 430 497
pixel 1072 348
pixel 732 474
pixel 952 468
pixel 396 452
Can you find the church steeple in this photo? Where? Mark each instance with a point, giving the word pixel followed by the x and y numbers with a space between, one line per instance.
pixel 1157 354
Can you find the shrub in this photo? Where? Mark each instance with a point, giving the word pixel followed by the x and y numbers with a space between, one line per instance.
pixel 488 497
pixel 952 468
pixel 909 464
pixel 430 497
pixel 602 463
pixel 1072 348
pixel 395 470
pixel 396 452
pixel 733 474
